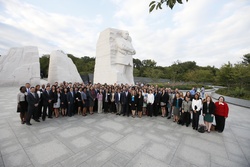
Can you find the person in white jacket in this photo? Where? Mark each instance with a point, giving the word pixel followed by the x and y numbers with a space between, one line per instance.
pixel 196 108
pixel 150 102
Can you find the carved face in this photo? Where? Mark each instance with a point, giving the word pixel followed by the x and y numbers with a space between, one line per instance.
pixel 125 35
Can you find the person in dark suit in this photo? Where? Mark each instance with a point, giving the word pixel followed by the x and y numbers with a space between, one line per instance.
pixel 156 102
pixel 47 102
pixel 64 102
pixel 140 99
pixel 164 98
pixel 40 105
pixel 71 100
pixel 133 102
pixel 125 96
pixel 33 101
pixel 106 100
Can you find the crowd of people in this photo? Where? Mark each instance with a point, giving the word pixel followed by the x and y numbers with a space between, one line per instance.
pixel 68 99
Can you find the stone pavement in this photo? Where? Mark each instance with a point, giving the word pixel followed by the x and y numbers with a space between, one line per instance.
pixel 108 140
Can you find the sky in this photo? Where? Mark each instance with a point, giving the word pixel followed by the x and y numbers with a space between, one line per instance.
pixel 209 32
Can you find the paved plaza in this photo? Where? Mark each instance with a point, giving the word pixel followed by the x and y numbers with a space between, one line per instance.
pixel 108 140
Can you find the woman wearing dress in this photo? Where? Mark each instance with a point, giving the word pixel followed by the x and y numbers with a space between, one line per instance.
pixel 139 103
pixel 79 101
pixel 208 112
pixel 84 101
pixel 163 102
pixel 221 113
pixel 57 102
pixel 22 105
pixel 177 103
pixel 196 107
pixel 92 97
pixel 133 102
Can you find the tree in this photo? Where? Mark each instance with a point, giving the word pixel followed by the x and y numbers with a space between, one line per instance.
pixel 44 65
pixel 241 74
pixel 148 63
pixel 137 63
pixel 226 75
pixel 199 76
pixel 158 5
pixel 246 59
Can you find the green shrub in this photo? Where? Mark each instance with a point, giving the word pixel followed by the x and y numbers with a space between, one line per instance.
pixel 237 92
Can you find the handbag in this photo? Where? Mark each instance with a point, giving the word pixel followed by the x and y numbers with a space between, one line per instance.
pixel 18 109
pixel 201 129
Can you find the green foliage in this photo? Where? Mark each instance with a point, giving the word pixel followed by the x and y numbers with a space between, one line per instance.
pixel 148 63
pixel 237 92
pixel 158 5
pixel 84 65
pixel 237 75
pixel 180 86
pixel 44 65
pixel 226 75
pixel 246 59
pixel 199 76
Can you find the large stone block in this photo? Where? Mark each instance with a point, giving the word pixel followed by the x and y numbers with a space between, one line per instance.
pixel 19 66
pixel 114 61
pixel 62 68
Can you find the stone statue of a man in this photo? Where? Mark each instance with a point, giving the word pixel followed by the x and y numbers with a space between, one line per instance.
pixel 114 61
pixel 124 60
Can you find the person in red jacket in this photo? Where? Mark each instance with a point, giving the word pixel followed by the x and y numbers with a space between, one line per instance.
pixel 221 113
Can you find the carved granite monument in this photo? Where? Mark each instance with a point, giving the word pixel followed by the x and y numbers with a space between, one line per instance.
pixel 62 68
pixel 114 61
pixel 19 66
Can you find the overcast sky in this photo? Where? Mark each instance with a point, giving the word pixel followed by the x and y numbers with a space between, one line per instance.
pixel 210 32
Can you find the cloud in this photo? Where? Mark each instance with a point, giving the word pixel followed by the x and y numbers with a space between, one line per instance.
pixel 209 32
pixel 30 25
pixel 201 31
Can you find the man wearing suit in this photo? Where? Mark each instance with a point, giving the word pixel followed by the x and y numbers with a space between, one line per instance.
pixel 106 100
pixel 156 102
pixel 47 102
pixel 118 101
pixel 33 101
pixel 71 100
pixel 125 96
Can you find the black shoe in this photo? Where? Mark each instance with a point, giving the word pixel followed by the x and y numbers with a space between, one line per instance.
pixel 123 115
pixel 219 131
pixel 50 117
pixel 43 119
pixel 169 117
pixel 28 124
pixel 37 120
